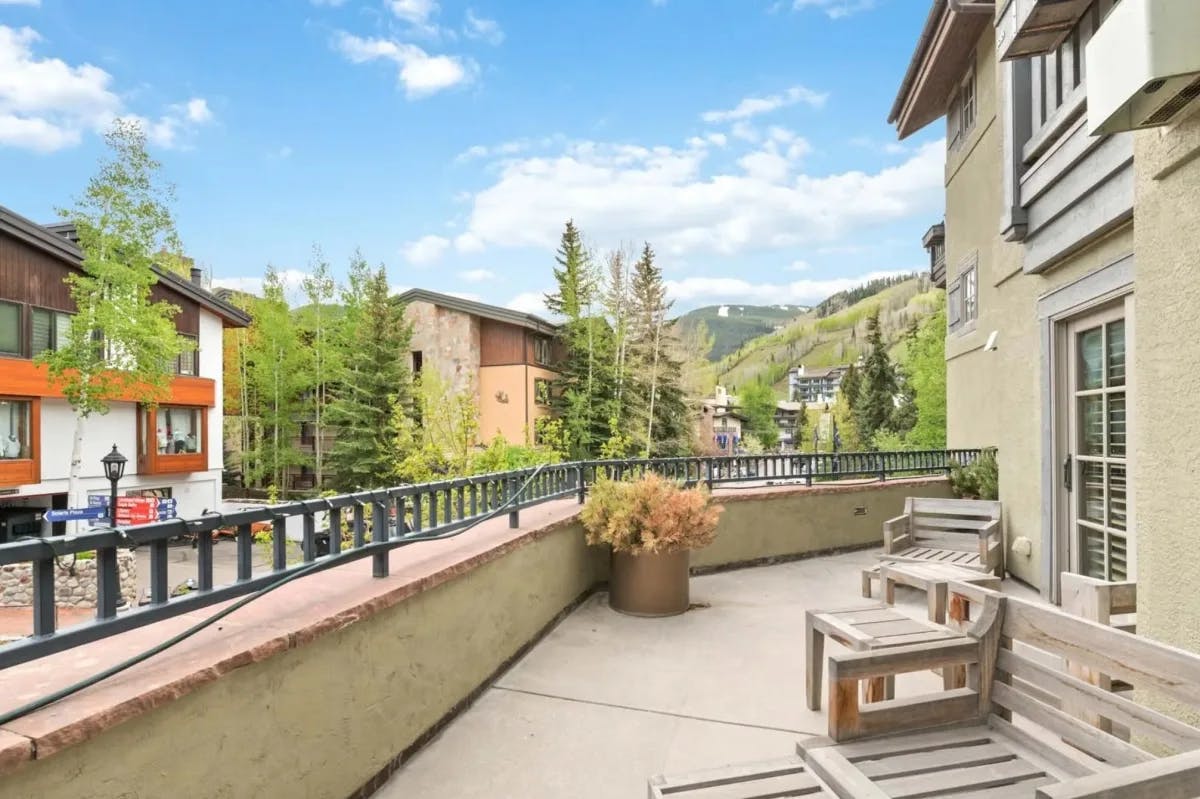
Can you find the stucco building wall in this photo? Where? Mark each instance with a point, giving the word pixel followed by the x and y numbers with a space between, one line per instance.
pixel 1166 365
pixel 996 398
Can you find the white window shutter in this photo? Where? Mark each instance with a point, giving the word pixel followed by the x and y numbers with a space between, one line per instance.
pixel 954 305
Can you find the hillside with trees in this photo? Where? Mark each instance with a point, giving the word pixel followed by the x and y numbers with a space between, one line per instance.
pixel 731 326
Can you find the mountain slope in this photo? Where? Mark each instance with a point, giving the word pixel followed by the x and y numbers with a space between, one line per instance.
pixel 838 338
pixel 733 325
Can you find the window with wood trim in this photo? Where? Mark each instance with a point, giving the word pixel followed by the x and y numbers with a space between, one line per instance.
pixel 172 438
pixel 19 440
pixel 188 361
pixel 541 350
pixel 11 329
pixel 49 330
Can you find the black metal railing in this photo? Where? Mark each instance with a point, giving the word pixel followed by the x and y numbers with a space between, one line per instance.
pixel 372 523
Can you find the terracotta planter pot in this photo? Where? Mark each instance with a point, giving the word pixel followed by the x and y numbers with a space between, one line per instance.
pixel 649 585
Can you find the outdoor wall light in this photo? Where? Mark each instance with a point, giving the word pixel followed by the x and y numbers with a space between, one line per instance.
pixel 991 342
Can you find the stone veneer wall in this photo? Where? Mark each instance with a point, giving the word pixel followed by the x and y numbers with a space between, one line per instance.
pixel 74 585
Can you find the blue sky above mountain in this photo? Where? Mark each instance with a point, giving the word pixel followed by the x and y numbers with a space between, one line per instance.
pixel 745 139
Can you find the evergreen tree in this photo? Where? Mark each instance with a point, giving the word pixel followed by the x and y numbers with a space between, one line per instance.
pixel 875 404
pixel 851 381
pixel 585 387
pixel 662 423
pixel 374 386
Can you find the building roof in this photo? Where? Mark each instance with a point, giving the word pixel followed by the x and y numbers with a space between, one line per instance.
pixel 821 372
pixel 481 309
pixel 942 55
pixel 57 240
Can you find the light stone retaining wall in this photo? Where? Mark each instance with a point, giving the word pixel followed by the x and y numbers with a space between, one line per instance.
pixel 74 584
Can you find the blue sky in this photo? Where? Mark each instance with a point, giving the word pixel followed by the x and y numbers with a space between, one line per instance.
pixel 745 139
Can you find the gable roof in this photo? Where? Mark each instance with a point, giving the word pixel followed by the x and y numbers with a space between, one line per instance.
pixel 495 312
pixel 942 56
pixel 57 240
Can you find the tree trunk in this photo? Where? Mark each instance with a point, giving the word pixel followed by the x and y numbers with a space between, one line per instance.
pixel 74 496
pixel 653 386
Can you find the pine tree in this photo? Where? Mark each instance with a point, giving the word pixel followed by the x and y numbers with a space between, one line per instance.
pixel 851 382
pixel 662 423
pixel 585 387
pixel 374 385
pixel 875 401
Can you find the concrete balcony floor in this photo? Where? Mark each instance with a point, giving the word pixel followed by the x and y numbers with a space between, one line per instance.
pixel 605 701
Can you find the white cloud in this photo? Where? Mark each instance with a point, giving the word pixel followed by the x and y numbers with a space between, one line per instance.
pixel 665 195
pixel 889 147
pixel 753 106
pixel 477 275
pixel 744 131
pixel 420 73
pixel 529 302
pixel 198 110
pixel 47 104
pixel 281 154
pixel 798 266
pixel 507 148
pixel 476 27
pixel 835 9
pixel 417 13
pixel 734 290
pixel 425 250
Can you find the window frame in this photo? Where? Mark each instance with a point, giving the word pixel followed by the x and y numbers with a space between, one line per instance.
pixel 193 354
pixel 542 388
pixel 25 471
pixel 22 333
pixel 54 313
pixel 542 350
pixel 963 110
pixel 962 297
pixel 151 461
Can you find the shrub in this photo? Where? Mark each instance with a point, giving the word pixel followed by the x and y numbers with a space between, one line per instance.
pixel 649 515
pixel 977 480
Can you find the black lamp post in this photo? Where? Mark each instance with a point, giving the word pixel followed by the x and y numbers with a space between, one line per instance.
pixel 114 469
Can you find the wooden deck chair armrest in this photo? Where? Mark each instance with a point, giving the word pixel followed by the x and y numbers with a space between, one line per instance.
pixel 849 721
pixel 1176 777
pixel 902 659
pixel 896 534
pixel 990 531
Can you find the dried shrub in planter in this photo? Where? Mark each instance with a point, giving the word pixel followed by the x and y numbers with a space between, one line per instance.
pixel 649 515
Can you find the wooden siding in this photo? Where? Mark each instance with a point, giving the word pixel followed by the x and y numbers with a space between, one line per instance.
pixel 24 378
pixel 32 277
pixel 501 344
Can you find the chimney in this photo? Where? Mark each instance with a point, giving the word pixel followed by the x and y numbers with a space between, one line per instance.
pixel 197 277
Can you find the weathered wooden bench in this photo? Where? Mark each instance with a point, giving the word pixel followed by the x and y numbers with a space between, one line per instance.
pixel 1110 603
pixel 967 533
pixel 788 776
pixel 1011 731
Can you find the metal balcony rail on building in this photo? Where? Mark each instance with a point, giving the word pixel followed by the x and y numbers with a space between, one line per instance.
pixel 378 521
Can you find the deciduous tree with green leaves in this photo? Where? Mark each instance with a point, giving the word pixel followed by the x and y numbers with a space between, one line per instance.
pixel 118 341
pixel 319 288
pixel 757 403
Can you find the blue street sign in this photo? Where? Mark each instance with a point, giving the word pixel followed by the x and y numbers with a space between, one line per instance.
pixel 97 501
pixel 167 503
pixel 75 514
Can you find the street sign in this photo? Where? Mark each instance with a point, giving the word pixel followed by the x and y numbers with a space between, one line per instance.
pixel 75 514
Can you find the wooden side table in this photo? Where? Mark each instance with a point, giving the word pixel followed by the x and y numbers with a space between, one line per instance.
pixel 862 629
pixel 932 578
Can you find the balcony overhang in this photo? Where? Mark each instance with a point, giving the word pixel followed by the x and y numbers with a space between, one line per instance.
pixel 943 54
pixel 1036 27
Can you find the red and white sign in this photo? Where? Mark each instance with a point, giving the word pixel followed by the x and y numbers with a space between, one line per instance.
pixel 136 510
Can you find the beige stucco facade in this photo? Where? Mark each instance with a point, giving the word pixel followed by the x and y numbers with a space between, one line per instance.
pixel 508 401
pixel 1167 368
